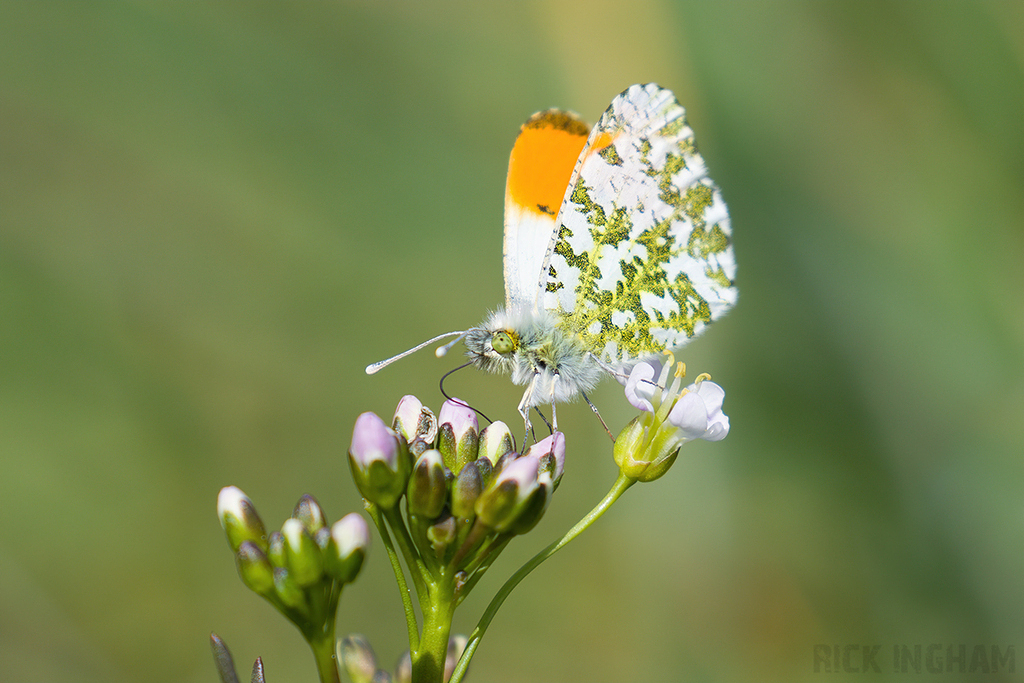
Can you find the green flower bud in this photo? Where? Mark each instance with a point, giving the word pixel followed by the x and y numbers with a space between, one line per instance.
pixel 356 655
pixel 495 441
pixel 379 461
pixel 254 568
pixel 505 497
pixel 467 488
pixel 288 590
pixel 303 558
pixel 441 534
pixel 275 551
pixel 459 434
pixel 428 485
pixel 346 549
pixel 239 519
pixel 534 507
pixel 309 512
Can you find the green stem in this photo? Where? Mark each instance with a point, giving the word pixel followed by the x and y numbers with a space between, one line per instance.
pixel 428 659
pixel 396 567
pixel 323 652
pixel 618 488
pixel 409 551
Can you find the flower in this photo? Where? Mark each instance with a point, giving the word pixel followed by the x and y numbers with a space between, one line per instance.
pixel 379 461
pixel 670 417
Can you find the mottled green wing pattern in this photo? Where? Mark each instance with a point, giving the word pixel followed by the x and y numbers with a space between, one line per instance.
pixel 643 258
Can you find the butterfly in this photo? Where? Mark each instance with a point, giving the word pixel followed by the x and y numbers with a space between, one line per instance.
pixel 617 247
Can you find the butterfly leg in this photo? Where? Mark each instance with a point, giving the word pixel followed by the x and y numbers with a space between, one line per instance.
pixel 554 415
pixel 526 403
pixel 596 412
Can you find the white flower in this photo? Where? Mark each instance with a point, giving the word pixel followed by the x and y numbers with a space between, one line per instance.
pixel 670 417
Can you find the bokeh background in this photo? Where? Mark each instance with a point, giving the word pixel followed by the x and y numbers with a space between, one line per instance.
pixel 214 215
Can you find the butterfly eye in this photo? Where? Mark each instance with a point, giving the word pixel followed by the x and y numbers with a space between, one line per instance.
pixel 503 343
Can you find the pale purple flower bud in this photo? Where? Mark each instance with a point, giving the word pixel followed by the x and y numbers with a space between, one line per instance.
pixel 356 655
pixel 503 500
pixel 379 461
pixel 415 421
pixel 550 453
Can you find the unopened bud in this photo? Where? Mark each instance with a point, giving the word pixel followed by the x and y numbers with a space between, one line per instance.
pixel 495 441
pixel 504 498
pixel 403 670
pixel 239 519
pixel 459 433
pixel 309 512
pixel 346 548
pixel 467 488
pixel 275 550
pixel 415 421
pixel 356 655
pixel 288 590
pixel 428 486
pixel 304 560
pixel 441 534
pixel 254 568
pixel 379 461
pixel 456 646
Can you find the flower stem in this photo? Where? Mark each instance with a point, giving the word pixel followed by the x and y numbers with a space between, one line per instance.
pixel 396 567
pixel 323 652
pixel 618 488
pixel 428 658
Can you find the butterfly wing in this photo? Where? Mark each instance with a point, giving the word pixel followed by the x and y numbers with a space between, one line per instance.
pixel 643 257
pixel 539 168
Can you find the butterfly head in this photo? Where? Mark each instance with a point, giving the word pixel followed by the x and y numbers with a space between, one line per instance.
pixel 493 345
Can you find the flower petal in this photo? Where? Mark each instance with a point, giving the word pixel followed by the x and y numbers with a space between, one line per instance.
pixel 640 388
pixel 690 415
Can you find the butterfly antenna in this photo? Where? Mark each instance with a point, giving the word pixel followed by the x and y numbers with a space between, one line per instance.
pixel 374 367
pixel 442 350
pixel 459 400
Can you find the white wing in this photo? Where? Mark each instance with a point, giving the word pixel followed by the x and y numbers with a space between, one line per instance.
pixel 539 169
pixel 643 258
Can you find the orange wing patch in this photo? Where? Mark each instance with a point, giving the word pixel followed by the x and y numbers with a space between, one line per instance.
pixel 542 160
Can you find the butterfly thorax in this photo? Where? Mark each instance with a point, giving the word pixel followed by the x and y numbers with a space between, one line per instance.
pixel 534 350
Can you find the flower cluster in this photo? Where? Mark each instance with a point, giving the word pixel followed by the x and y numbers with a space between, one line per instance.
pixel 467 490
pixel 300 569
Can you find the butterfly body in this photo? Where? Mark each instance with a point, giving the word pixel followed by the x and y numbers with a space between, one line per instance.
pixel 536 352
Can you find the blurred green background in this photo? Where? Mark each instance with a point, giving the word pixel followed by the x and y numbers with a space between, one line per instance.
pixel 214 215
